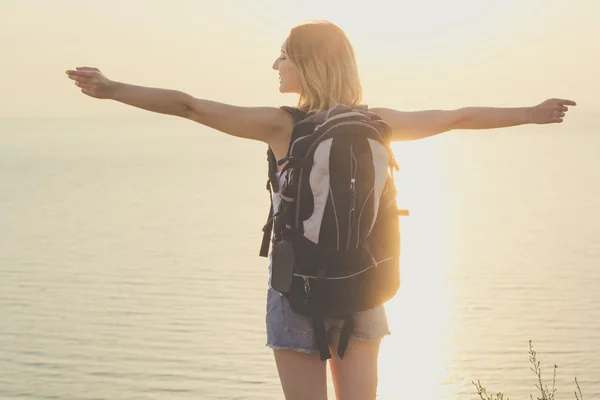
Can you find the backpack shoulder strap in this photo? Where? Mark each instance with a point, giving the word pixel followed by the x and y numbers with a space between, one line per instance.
pixel 296 113
pixel 298 116
pixel 273 182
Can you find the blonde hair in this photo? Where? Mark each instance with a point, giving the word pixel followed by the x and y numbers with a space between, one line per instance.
pixel 327 66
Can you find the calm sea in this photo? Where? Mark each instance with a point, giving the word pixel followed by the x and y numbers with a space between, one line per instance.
pixel 129 263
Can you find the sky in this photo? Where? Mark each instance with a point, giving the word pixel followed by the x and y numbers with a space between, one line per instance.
pixel 411 54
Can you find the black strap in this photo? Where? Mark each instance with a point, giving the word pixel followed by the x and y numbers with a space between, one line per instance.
pixel 267 228
pixel 318 322
pixel 345 335
pixel 321 338
pixel 297 114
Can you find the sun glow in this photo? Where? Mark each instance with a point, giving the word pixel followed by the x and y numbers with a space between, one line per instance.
pixel 414 360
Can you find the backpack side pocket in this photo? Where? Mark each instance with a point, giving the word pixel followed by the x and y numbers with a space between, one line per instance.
pixel 283 261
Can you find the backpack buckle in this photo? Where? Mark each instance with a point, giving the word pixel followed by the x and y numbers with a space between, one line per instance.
pixel 284 160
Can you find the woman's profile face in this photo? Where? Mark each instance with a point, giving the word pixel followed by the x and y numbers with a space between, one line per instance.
pixel 289 76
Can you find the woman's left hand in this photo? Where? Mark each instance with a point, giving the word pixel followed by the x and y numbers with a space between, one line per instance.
pixel 551 111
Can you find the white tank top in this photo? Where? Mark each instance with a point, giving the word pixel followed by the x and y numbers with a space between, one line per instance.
pixel 275 196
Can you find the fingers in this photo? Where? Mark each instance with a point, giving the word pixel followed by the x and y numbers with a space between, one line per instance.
pixel 87 79
pixel 84 85
pixel 87 69
pixel 558 116
pixel 565 102
pixel 83 80
pixel 85 73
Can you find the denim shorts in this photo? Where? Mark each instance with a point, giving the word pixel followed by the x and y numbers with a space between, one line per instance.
pixel 291 331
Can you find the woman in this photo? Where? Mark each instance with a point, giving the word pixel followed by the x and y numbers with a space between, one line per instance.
pixel 316 62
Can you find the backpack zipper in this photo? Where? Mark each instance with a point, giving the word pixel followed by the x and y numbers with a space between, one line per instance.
pixel 351 213
pixel 298 199
pixel 307 277
pixel 353 168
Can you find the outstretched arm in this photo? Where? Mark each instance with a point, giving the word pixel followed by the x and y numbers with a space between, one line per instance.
pixel 258 123
pixel 421 124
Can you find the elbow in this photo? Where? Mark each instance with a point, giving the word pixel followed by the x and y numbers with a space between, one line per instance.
pixel 441 122
pixel 183 111
pixel 186 106
pixel 460 119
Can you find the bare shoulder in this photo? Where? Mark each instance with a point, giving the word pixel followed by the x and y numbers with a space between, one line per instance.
pixel 396 119
pixel 389 115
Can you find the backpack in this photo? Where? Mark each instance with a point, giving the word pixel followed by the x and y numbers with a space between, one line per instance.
pixel 335 236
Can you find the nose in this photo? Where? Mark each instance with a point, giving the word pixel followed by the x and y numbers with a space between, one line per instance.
pixel 276 65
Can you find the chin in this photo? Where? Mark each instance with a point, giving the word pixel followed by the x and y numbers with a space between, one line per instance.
pixel 286 90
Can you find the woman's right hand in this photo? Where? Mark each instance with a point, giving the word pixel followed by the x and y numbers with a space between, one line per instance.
pixel 92 82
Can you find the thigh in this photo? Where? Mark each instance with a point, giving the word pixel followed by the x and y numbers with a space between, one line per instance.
pixel 355 377
pixel 303 375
